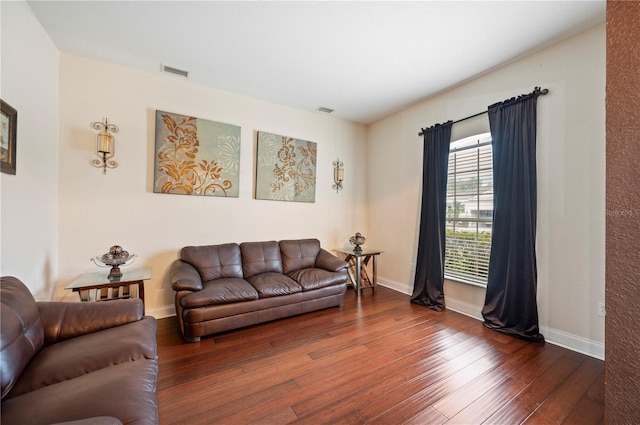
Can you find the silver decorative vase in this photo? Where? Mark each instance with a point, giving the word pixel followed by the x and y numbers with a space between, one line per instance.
pixel 357 240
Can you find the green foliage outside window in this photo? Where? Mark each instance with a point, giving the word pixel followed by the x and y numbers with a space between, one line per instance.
pixel 467 253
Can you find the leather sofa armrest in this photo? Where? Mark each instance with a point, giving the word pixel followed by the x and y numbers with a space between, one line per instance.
pixel 64 320
pixel 330 262
pixel 184 277
pixel 98 420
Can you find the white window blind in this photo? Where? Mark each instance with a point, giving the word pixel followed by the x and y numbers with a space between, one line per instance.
pixel 469 210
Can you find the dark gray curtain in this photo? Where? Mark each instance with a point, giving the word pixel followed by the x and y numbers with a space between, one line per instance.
pixel 510 303
pixel 429 280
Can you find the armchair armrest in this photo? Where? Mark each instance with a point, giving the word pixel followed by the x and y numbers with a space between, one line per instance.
pixel 64 320
pixel 184 277
pixel 326 260
pixel 98 420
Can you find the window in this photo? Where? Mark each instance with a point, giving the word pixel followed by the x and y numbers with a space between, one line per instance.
pixel 469 210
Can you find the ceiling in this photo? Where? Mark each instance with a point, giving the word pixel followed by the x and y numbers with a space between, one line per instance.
pixel 364 59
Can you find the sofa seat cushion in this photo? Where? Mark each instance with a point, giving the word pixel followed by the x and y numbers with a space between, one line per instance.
pixel 87 353
pixel 274 284
pixel 314 278
pixel 126 391
pixel 220 291
pixel 216 311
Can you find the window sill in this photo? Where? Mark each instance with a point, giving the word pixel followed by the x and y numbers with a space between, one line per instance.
pixel 466 282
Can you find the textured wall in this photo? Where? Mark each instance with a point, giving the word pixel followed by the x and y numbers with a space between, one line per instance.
pixel 622 382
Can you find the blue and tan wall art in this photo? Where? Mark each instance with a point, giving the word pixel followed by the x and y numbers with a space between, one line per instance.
pixel 285 168
pixel 194 156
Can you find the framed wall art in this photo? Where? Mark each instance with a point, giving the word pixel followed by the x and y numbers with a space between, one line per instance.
pixel 8 127
pixel 194 156
pixel 285 168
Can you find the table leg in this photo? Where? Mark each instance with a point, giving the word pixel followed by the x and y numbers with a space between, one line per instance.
pixel 84 295
pixel 375 272
pixel 141 293
pixel 358 275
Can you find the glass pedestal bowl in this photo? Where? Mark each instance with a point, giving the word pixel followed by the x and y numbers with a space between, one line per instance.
pixel 115 258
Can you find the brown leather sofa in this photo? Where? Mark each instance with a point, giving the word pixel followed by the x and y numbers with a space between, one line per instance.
pixel 228 286
pixel 76 363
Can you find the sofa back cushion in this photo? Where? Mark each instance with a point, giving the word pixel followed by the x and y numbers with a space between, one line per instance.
pixel 260 257
pixel 299 254
pixel 21 333
pixel 214 261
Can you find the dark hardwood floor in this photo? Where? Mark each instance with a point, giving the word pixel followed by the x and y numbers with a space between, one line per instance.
pixel 380 360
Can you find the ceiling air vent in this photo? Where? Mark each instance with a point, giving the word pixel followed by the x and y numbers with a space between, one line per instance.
pixel 325 110
pixel 175 71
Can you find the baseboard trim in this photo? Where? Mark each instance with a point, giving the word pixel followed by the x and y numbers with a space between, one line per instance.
pixel 161 312
pixel 552 336
pixel 573 342
pixel 396 286
pixel 470 310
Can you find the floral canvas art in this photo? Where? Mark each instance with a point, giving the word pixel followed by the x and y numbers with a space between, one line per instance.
pixel 194 156
pixel 286 168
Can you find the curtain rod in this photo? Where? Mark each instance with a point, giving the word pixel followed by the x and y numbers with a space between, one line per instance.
pixel 541 92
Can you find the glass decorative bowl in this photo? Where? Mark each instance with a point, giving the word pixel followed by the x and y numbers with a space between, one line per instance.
pixel 357 240
pixel 115 258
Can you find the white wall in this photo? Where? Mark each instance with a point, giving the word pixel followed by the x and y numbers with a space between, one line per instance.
pixel 97 211
pixel 571 183
pixel 29 206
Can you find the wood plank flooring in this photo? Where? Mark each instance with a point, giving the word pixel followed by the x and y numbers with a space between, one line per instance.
pixel 378 360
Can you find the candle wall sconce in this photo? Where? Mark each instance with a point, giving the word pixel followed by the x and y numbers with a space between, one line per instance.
pixel 105 145
pixel 338 174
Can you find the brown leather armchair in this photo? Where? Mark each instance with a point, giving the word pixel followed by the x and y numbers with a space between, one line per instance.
pixel 77 363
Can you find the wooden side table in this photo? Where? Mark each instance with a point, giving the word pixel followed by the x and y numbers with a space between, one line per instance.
pixel 357 273
pixel 110 289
